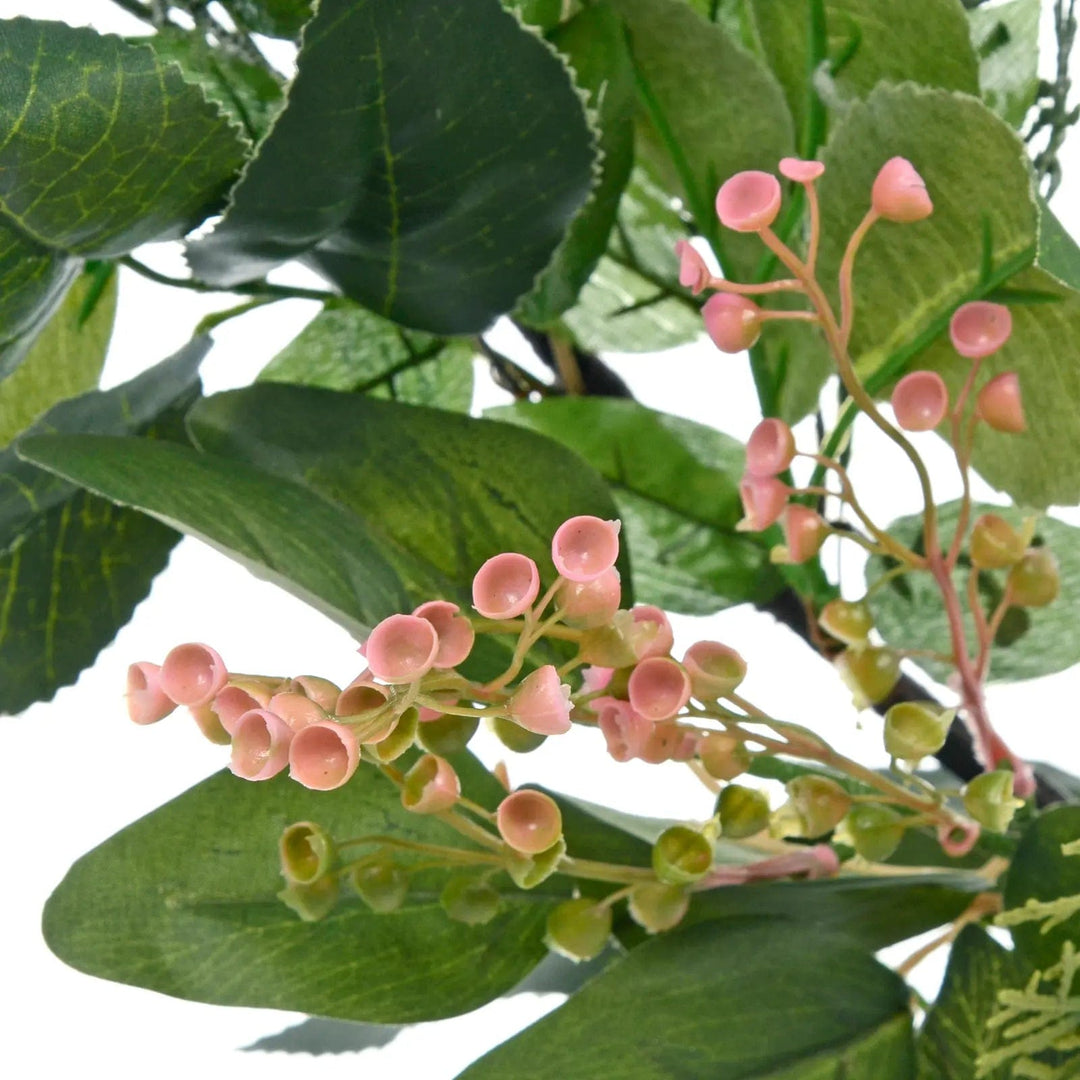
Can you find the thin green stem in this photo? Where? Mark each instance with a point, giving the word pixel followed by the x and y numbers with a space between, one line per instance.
pixel 209 322
pixel 250 288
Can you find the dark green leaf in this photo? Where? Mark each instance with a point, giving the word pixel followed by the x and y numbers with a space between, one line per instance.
pixel 955 1031
pixel 543 13
pixel 1006 39
pixel 676 486
pixel 1059 253
pixel 736 1001
pixel 434 150
pixel 275 18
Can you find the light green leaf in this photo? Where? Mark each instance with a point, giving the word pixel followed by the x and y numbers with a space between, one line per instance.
pixel 1006 39
pixel 1059 253
pixel 1031 641
pixel 731 1001
pixel 428 162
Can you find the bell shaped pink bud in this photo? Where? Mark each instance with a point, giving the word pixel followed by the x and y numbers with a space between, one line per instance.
pixel 362 695
pixel 591 603
pixel 693 270
pixel 297 710
pixel 541 703
pixel 324 755
pixel 732 321
pixel 625 731
pixel 804 532
pixel 800 170
pixel 669 741
pixel 899 193
pixel 980 328
pixel 1000 405
pixel 595 678
pixel 505 586
pixel 749 201
pixel 232 701
pixel 401 649
pixel 653 634
pixel 147 703
pixel 920 401
pixel 763 499
pixel 430 786
pixel 192 674
pixel 958 838
pixel 456 635
pixel 529 821
pixel 211 728
pixel 260 745
pixel 585 547
pixel 658 688
pixel 770 448
pixel 322 691
pixel 714 669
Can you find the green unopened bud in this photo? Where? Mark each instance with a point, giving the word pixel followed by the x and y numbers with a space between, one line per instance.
pixel 656 907
pixel 400 738
pixel 995 544
pixel 528 871
pixel 915 729
pixel 821 803
pixel 786 822
pixel 514 736
pixel 469 900
pixel 312 902
pixel 307 852
pixel 382 885
pixel 448 735
pixel 744 811
pixel 875 831
pixel 849 621
pixel 870 674
pixel 724 755
pixel 1034 581
pixel 578 929
pixel 613 645
pixel 681 855
pixel 990 801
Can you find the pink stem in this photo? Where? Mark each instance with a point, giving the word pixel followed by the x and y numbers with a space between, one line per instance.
pixel 815 225
pixel 723 285
pixel 774 313
pixel 847 267
pixel 962 449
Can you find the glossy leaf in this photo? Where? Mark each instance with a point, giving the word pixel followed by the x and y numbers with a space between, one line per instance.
pixel 1006 40
pixel 676 487
pixel 643 1018
pixel 275 18
pixel 436 151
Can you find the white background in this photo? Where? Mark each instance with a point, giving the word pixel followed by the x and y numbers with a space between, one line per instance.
pixel 77 770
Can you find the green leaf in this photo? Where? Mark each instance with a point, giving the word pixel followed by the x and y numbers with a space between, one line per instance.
pixel 594 45
pixel 66 357
pixel 955 1032
pixel 1059 253
pixel 73 567
pixel 349 348
pixel 275 18
pixel 434 153
pixel 106 147
pixel 185 903
pixel 675 484
pixel 736 1001
pixel 1006 39
pixel 1031 641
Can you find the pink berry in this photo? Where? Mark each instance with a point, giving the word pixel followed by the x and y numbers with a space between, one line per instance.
pixel 1000 405
pixel 430 786
pixel 585 547
pixel 749 201
pixel 322 691
pixel 693 271
pixel 804 532
pixel 763 499
pixel 591 603
pixel 980 328
pixel 297 710
pixel 401 648
pixel 324 755
pixel 192 674
pixel 455 632
pixel 260 745
pixel 654 627
pixel 658 688
pixel 899 192
pixel 231 702
pixel 668 741
pixel 920 401
pixel 625 731
pixel 800 170
pixel 541 703
pixel 529 821
pixel 505 586
pixel 146 701
pixel 770 448
pixel 732 321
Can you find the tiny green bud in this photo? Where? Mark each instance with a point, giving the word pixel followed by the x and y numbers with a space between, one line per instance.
pixel 401 737
pixel 821 803
pixel 875 831
pixel 469 900
pixel 311 902
pixel 681 855
pixel 612 645
pixel 990 801
pixel 744 811
pixel 448 735
pixel 849 621
pixel 307 852
pixel 724 755
pixel 514 737
pixel 1034 581
pixel 870 674
pixel 914 729
pixel 528 871
pixel 995 544
pixel 655 906
pixel 382 885
pixel 578 929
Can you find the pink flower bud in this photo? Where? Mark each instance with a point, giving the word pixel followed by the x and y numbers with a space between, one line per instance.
pixel 595 678
pixel 732 321
pixel 529 821
pixel 770 448
pixel 147 703
pixel 980 328
pixel 920 400
pixel 800 170
pixel 430 786
pixel 714 669
pixel 211 728
pixel 668 741
pixel 899 193
pixel 693 271
pixel 324 755
pixel 654 636
pixel 455 632
pixel 958 838
pixel 658 687
pixel 232 701
pixel 192 674
pixel 297 710
pixel 1000 405
pixel 541 703
pixel 625 731
pixel 763 499
pixel 401 648
pixel 260 745
pixel 590 603
pixel 322 691
pixel 749 201
pixel 505 586
pixel 362 695
pixel 585 547
pixel 804 532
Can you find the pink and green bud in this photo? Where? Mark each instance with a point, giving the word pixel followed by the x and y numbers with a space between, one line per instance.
pixel 446 735
pixel 669 741
pixel 312 902
pixel 652 632
pixel 723 755
pixel 958 838
pixel 693 271
pixel 398 739
pixel 192 674
pixel 147 703
pixel 469 900
pixel 529 821
pixel 916 729
pixel 763 499
pixel 454 631
pixel 899 193
pixel 528 871
pixel 515 738
pixel 324 755
pixel 260 745
pixel 624 731
pixel 743 811
pixel 430 786
pixel 920 401
pixel 999 404
pixel 1035 580
pixel 585 547
pixel 681 856
pixel 875 831
pixel 980 328
pixel 578 929
pixel 732 321
pixel 297 710
pixel 658 688
pixel 612 644
pixel 234 700
pixel 590 603
pixel 770 448
pixel 849 621
pixel 541 703
pixel 322 691
pixel 401 649
pixel 656 906
pixel 361 699
pixel 749 201
pixel 800 170
pixel 804 533
pixel 307 852
pixel 820 802
pixel 870 674
pixel 995 544
pixel 989 799
pixel 715 670
pixel 505 586
pixel 210 726
pixel 382 885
